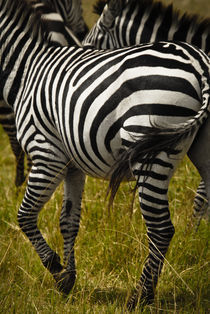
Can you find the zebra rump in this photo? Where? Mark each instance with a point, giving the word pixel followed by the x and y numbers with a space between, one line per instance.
pixel 129 22
pixel 156 140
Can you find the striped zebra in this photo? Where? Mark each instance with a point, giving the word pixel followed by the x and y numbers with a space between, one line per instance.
pixel 125 23
pixel 71 12
pixel 107 114
pixel 60 33
pixel 129 22
pixel 58 25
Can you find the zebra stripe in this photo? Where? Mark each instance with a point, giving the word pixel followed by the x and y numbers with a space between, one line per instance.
pixel 58 32
pixel 68 102
pixel 133 22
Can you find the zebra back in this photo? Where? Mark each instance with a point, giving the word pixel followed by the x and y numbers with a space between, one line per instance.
pixel 134 22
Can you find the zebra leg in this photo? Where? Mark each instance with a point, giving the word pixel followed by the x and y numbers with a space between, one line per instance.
pixel 29 164
pixel 19 155
pixel 69 224
pixel 17 151
pixel 7 119
pixel 153 188
pixel 200 201
pixel 199 154
pixel 42 182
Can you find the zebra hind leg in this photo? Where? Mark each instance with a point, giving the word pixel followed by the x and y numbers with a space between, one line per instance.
pixel 153 188
pixel 200 204
pixel 69 225
pixel 199 154
pixel 42 182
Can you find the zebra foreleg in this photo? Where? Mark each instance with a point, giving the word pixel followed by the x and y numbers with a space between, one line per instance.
pixel 18 153
pixel 69 224
pixel 7 119
pixel 154 206
pixel 42 182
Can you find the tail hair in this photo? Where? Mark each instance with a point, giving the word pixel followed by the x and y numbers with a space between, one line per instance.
pixel 159 139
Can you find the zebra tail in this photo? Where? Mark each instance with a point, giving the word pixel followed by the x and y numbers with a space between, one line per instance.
pixel 159 139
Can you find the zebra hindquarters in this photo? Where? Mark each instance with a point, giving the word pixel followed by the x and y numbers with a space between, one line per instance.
pixel 69 225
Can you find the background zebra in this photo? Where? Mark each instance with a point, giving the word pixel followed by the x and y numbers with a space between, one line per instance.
pixel 81 111
pixel 58 25
pixel 53 14
pixel 130 22
pixel 71 12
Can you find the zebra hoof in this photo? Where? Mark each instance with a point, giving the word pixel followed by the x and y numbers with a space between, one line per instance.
pixel 143 299
pixel 53 264
pixel 65 281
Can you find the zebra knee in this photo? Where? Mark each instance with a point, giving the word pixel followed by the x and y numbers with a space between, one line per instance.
pixel 27 221
pixel 170 233
pixel 160 240
pixel 24 221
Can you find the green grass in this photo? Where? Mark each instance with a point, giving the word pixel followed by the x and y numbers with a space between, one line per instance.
pixel 110 249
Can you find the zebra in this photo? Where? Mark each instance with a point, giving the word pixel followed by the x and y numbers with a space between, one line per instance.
pixel 58 26
pixel 130 22
pixel 107 114
pixel 71 12
pixel 60 33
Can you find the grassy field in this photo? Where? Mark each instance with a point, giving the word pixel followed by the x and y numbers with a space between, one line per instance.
pixel 111 246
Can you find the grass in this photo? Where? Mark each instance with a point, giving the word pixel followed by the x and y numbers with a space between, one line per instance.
pixel 110 249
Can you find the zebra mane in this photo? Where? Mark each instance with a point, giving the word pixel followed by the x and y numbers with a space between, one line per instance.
pixel 166 11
